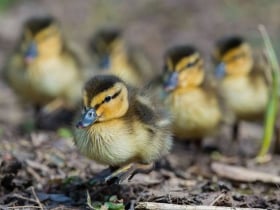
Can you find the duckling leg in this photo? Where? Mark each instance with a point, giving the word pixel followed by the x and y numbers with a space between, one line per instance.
pixel 128 171
pixel 120 174
pixel 99 178
pixel 53 106
pixel 141 169
pixel 55 119
pixel 277 145
pixel 235 131
pixel 197 143
pixel 277 139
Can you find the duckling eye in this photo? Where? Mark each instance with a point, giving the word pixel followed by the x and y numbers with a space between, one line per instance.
pixel 238 56
pixel 192 63
pixel 107 99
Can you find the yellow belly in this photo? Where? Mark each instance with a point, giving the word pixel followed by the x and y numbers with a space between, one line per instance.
pixel 116 143
pixel 45 79
pixel 194 114
pixel 52 77
pixel 246 99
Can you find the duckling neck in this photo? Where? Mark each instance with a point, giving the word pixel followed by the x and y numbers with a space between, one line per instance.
pixel 244 74
pixel 119 59
pixel 187 87
pixel 50 56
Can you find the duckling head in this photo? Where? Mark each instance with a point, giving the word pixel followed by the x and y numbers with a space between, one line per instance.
pixel 105 97
pixel 105 44
pixel 41 38
pixel 183 68
pixel 234 57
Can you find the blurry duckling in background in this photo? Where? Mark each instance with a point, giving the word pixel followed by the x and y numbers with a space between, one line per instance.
pixel 191 99
pixel 243 80
pixel 113 56
pixel 42 70
pixel 121 127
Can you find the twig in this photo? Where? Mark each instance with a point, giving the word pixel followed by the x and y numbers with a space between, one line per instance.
pixel 217 199
pixel 32 172
pixel 37 165
pixel 89 201
pixel 167 206
pixel 23 198
pixel 21 207
pixel 36 198
pixel 132 204
pixel 242 174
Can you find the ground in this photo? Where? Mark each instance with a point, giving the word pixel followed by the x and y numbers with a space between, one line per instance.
pixel 44 169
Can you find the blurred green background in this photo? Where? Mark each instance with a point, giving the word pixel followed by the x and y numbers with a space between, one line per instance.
pixel 152 24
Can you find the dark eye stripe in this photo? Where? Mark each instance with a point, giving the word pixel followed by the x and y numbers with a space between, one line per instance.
pixel 112 97
pixel 193 63
pixel 190 64
pixel 236 57
pixel 97 106
pixel 116 94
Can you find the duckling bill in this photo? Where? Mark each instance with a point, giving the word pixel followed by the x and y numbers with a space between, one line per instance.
pixel 121 127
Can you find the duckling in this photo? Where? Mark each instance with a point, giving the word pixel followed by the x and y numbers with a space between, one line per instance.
pixel 43 70
pixel 191 98
pixel 243 81
pixel 121 127
pixel 113 56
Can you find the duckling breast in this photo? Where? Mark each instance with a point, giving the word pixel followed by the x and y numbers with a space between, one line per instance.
pixel 107 143
pixel 51 77
pixel 247 98
pixel 194 112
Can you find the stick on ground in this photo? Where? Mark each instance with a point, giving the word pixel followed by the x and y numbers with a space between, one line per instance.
pixel 242 174
pixel 168 206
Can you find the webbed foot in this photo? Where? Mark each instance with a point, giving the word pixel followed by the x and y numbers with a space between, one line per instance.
pixel 128 172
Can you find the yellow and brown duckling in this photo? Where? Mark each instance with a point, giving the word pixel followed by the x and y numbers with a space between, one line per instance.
pixel 113 56
pixel 193 103
pixel 243 82
pixel 121 127
pixel 43 70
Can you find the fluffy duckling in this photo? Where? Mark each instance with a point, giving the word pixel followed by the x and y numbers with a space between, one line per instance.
pixel 192 101
pixel 115 57
pixel 42 69
pixel 243 81
pixel 121 127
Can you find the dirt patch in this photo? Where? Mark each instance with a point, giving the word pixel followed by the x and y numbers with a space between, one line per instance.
pixel 45 165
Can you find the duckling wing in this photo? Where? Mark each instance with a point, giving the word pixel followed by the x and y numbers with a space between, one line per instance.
pixel 13 61
pixel 261 67
pixel 150 112
pixel 144 112
pixel 83 60
pixel 13 73
pixel 155 134
pixel 155 88
pixel 210 85
pixel 141 63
